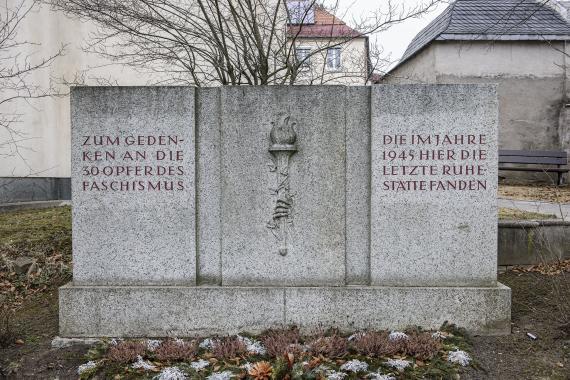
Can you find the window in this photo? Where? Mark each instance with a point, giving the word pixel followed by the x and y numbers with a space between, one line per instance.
pixel 301 12
pixel 333 58
pixel 303 56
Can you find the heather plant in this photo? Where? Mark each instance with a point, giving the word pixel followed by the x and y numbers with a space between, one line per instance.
pixel 324 354
pixel 229 347
pixel 377 344
pixel 333 346
pixel 176 350
pixel 282 341
pixel 422 345
pixel 126 351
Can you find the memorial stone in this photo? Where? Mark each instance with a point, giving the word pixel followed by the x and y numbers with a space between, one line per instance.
pixel 237 209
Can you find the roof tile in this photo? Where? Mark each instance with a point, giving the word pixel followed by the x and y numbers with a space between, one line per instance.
pixel 492 20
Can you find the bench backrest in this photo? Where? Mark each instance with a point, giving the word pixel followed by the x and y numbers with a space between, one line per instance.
pixel 536 157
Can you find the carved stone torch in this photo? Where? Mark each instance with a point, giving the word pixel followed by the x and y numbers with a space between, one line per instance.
pixel 283 146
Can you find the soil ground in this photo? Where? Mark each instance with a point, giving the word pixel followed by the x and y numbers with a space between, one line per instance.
pixel 541 306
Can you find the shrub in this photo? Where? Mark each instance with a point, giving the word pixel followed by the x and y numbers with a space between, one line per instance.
pixel 228 347
pixel 282 341
pixel 126 351
pixel 333 346
pixel 422 346
pixel 377 344
pixel 176 350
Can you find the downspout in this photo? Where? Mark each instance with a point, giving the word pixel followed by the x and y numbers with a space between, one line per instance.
pixel 564 118
pixel 565 76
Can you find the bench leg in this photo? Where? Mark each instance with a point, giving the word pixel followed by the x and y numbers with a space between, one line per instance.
pixel 560 178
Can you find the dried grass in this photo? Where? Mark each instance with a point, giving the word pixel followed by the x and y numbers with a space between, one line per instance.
pixel 7 336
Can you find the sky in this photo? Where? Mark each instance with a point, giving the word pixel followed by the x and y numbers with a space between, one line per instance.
pixel 395 40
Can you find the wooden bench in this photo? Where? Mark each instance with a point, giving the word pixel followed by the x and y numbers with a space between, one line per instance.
pixel 544 161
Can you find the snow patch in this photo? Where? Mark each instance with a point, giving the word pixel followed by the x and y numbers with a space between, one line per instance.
pixel 86 367
pixel 253 346
pixel 379 376
pixel 142 364
pixel 171 373
pixel 399 364
pixel 354 366
pixel 206 344
pixel 226 375
pixel 152 344
pixel 459 357
pixel 334 375
pixel 397 335
pixel 200 364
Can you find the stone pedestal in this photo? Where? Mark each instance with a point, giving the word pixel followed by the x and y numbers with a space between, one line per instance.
pixel 200 211
pixel 156 311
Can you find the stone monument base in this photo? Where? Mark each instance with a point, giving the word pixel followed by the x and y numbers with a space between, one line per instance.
pixel 159 311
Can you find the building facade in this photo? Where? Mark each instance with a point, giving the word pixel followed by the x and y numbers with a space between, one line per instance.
pixel 520 45
pixel 330 51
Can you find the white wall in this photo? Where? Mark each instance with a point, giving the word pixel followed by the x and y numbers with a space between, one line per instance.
pixel 354 62
pixel 531 78
pixel 419 69
pixel 45 123
pixel 500 58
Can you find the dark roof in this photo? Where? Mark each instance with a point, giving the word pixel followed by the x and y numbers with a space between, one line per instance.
pixel 492 20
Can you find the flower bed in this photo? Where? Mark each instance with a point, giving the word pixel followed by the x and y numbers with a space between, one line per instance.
pixel 285 354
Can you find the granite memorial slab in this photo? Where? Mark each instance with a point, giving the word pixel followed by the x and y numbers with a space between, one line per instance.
pixel 133 186
pixel 434 185
pixel 237 209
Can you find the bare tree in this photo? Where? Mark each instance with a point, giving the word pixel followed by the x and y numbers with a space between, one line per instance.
pixel 18 65
pixel 228 42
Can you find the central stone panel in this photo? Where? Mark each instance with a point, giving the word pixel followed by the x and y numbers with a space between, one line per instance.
pixel 283 179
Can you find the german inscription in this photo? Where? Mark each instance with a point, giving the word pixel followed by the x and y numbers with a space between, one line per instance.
pixel 132 163
pixel 410 162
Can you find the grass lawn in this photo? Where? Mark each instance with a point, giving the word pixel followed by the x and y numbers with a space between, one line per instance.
pixel 42 236
pixel 515 214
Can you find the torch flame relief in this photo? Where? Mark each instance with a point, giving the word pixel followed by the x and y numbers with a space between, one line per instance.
pixel 283 146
